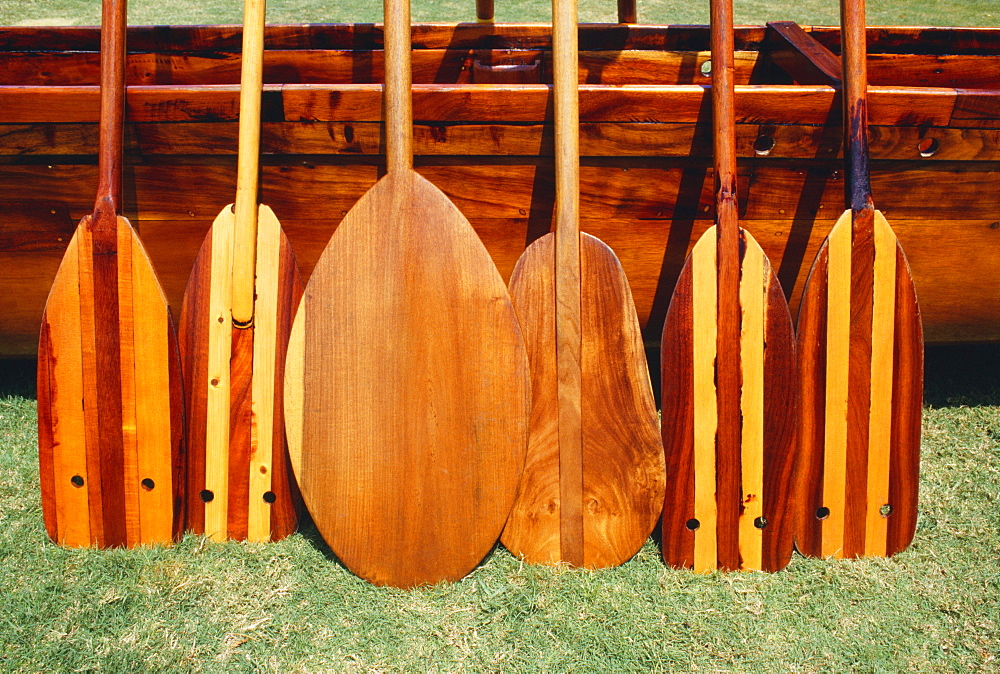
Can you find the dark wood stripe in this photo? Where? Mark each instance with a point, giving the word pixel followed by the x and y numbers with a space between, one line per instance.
pixel 178 439
pixel 907 401
pixel 46 464
pixel 193 336
pixel 780 430
pixel 109 374
pixel 288 507
pixel 676 376
pixel 729 382
pixel 859 382
pixel 240 427
pixel 812 375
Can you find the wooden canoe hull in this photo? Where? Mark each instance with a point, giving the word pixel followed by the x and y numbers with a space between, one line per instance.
pixel 646 178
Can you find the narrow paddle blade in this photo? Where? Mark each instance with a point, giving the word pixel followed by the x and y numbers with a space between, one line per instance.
pixel 620 472
pixel 861 346
pixel 109 396
pixel 727 505
pixel 861 352
pixel 240 484
pixel 407 390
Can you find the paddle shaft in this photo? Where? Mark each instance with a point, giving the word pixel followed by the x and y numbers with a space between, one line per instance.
pixel 248 164
pixel 484 11
pixel 111 126
pixel 567 281
pixel 398 107
pixel 855 97
pixel 729 317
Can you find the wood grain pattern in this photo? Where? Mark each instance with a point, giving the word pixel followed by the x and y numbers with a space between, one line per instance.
pixel 589 494
pixel 859 333
pixel 728 338
pixel 622 474
pixel 409 389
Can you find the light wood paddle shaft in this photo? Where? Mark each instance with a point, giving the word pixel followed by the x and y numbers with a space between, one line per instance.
pixel 855 67
pixel 112 123
pixel 248 164
pixel 398 106
pixel 568 310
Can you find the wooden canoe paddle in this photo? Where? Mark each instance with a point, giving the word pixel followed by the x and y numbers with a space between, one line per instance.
pixel 593 481
pixel 235 321
pixel 407 389
pixel 110 417
pixel 729 395
pixel 861 353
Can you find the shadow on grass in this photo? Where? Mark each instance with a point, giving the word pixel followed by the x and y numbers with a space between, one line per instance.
pixel 966 375
pixel 17 378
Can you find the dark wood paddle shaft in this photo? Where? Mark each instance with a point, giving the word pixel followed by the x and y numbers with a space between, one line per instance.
pixel 626 11
pixel 855 95
pixel 398 106
pixel 484 10
pixel 109 154
pixel 729 378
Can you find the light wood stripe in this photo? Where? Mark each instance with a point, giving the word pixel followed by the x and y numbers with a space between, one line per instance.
pixel 753 295
pixel 838 338
pixel 69 457
pixel 264 346
pixel 880 420
pixel 295 388
pixel 88 350
pixel 127 361
pixel 217 401
pixel 152 403
pixel 703 302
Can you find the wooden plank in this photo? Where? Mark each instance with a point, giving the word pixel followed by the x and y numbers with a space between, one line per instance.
pixel 801 56
pixel 474 103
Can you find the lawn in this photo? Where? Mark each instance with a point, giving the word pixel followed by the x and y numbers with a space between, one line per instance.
pixel 289 606
pixel 819 12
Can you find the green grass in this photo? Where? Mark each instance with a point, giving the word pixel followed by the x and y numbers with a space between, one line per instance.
pixel 820 12
pixel 289 606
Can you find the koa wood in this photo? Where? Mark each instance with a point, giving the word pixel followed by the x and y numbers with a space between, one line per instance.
pixel 407 390
pixel 861 350
pixel 235 321
pixel 593 481
pixel 110 418
pixel 728 376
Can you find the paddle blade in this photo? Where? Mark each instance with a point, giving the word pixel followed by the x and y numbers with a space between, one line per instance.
pixel 728 507
pixel 109 397
pixel 240 484
pixel 620 473
pixel 861 353
pixel 407 386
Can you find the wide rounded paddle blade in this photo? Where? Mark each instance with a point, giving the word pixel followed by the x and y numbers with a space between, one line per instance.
pixel 407 391
pixel 110 426
pixel 861 354
pixel 619 477
pixel 240 485
pixel 728 507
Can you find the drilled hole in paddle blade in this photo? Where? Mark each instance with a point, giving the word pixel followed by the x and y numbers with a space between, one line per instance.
pixel 760 522
pixel 885 510
pixel 148 484
pixel 270 497
pixel 763 145
pixel 206 495
pixel 822 513
pixel 928 147
pixel 693 524
pixel 76 481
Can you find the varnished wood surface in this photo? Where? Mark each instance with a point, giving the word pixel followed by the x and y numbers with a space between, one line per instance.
pixel 728 338
pixel 109 389
pixel 863 374
pixel 253 465
pixel 689 430
pixel 407 379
